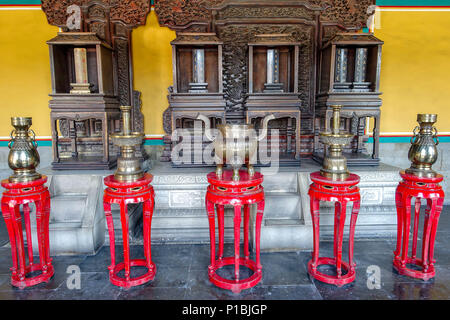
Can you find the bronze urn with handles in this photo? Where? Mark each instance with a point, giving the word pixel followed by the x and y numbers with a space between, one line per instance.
pixel 23 157
pixel 423 151
pixel 235 144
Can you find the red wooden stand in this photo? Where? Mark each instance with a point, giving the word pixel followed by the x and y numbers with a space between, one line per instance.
pixel 17 194
pixel 342 192
pixel 224 191
pixel 123 193
pixel 419 188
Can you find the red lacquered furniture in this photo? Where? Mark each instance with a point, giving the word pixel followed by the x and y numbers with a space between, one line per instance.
pixel 124 193
pixel 342 192
pixel 419 188
pixel 17 194
pixel 224 191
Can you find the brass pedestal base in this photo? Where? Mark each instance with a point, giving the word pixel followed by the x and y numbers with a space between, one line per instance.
pixel 24 176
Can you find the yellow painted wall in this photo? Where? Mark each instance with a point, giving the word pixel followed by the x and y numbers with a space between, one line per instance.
pixel 152 54
pixel 415 73
pixel 25 79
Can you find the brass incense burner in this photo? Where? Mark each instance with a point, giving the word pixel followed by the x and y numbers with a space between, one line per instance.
pixel 236 145
pixel 423 152
pixel 128 165
pixel 23 157
pixel 334 163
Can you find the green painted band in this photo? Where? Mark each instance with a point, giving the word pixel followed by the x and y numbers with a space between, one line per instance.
pixel 20 2
pixel 405 139
pixel 48 143
pixel 160 142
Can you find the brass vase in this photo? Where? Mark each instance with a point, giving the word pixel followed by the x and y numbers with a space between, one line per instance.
pixel 334 163
pixel 236 145
pixel 129 167
pixel 423 152
pixel 23 157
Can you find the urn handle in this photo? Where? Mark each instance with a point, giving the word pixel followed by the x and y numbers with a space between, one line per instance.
pixel 435 135
pixel 415 137
pixel 13 132
pixel 33 139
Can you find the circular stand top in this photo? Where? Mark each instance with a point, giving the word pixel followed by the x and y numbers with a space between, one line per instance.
pixel 353 179
pixel 411 177
pixel 227 179
pixel 19 185
pixel 111 182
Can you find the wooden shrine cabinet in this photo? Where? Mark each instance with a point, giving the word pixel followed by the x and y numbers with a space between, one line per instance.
pixel 84 103
pixel 197 84
pixel 349 75
pixel 288 34
pixel 273 89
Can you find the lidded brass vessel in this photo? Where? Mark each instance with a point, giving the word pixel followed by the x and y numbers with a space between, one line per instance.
pixel 236 145
pixel 334 163
pixel 128 165
pixel 23 157
pixel 423 152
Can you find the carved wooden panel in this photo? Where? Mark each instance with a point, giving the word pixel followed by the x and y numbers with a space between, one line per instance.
pixel 184 14
pixel 236 39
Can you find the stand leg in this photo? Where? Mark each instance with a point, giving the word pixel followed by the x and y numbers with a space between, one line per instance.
pixel 47 205
pixel 406 226
pixel 112 241
pixel 429 218
pixel 26 216
pixel 14 210
pixel 343 208
pixel 148 213
pixel 12 237
pixel 246 230
pixel 351 240
pixel 221 226
pixel 337 208
pixel 237 234
pixel 440 203
pixel 258 222
pixel 40 219
pixel 315 206
pixel 415 228
pixel 399 205
pixel 212 232
pixel 126 247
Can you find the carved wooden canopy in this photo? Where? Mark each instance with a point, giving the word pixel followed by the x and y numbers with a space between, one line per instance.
pixel 112 21
pixel 131 13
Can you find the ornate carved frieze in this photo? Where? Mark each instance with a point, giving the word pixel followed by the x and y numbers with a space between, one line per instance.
pixel 133 13
pixel 184 14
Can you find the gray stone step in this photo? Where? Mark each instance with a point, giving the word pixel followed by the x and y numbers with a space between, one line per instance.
pixel 288 235
pixel 77 224
pixel 67 208
pixel 282 205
